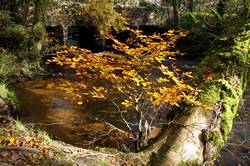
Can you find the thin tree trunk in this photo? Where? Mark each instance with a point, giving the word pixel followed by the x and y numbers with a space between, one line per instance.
pixel 191 5
pixel 221 7
pixel 26 11
pixel 175 12
pixel 246 4
pixel 65 34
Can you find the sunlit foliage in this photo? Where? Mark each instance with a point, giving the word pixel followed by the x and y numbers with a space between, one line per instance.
pixel 136 79
pixel 100 14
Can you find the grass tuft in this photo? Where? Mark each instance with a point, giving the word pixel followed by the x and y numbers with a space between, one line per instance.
pixel 9 95
pixel 20 127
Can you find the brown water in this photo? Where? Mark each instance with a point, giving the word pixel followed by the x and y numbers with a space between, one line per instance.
pixel 80 125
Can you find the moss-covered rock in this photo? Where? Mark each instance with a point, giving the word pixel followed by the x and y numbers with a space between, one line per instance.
pixel 224 92
pixel 214 136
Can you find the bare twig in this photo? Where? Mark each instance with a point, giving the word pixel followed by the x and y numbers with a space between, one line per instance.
pixel 124 120
pixel 114 127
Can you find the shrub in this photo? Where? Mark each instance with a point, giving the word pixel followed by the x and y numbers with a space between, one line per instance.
pixel 15 37
pixel 5 19
pixel 102 16
pixel 8 65
pixel 15 65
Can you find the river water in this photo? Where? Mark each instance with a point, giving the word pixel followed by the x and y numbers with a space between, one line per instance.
pixel 56 112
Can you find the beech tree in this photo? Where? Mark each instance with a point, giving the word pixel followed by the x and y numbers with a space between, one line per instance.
pixel 135 80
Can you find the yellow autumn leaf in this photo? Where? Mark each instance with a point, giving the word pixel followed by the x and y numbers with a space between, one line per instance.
pixel 99 92
pixel 50 85
pixel 159 59
pixel 161 80
pixel 12 140
pixel 188 74
pixel 80 103
pixel 144 84
pixel 127 103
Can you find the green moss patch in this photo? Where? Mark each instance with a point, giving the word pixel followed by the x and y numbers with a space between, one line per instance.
pixel 230 105
pixel 211 95
pixel 190 163
pixel 216 137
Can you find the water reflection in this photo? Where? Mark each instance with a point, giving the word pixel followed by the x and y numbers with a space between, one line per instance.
pixel 54 111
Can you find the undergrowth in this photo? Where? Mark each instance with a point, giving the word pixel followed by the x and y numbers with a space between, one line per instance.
pixel 9 95
pixel 32 146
